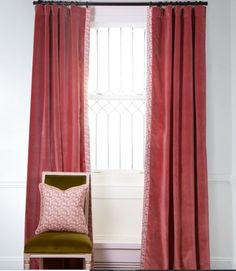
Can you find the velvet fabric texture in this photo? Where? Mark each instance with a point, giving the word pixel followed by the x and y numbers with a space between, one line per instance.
pixel 58 139
pixel 175 221
pixel 64 182
pixel 59 242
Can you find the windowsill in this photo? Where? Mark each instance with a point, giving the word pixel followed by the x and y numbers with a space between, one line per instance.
pixel 116 171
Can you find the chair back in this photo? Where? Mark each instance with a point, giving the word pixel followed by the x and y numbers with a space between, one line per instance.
pixel 65 180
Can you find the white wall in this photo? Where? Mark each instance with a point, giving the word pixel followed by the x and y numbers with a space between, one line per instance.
pixel 219 129
pixel 117 206
pixel 16 33
pixel 218 88
pixel 233 88
pixel 233 84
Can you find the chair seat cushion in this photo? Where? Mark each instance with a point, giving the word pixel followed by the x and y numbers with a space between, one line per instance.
pixel 59 243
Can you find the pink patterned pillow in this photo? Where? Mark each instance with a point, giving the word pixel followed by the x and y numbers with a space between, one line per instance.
pixel 62 210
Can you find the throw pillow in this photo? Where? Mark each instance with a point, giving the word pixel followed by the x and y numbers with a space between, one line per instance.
pixel 62 210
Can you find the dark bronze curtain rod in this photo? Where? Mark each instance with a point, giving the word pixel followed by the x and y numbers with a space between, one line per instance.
pixel 87 3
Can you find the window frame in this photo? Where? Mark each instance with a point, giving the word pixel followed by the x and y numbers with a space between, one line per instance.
pixel 105 18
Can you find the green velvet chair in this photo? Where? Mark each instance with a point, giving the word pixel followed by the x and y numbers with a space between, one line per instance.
pixel 61 244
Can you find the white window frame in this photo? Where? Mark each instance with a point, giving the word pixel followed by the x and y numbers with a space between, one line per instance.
pixel 118 17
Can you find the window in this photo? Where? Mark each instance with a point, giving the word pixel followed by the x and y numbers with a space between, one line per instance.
pixel 117 82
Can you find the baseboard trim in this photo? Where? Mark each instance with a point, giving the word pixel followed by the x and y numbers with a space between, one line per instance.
pixel 16 262
pixel 223 263
pixel 116 265
pixel 11 263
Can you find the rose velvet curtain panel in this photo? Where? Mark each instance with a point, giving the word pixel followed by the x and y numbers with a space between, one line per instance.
pixel 58 139
pixel 175 221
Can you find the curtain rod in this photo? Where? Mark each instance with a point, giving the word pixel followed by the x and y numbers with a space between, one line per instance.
pixel 87 3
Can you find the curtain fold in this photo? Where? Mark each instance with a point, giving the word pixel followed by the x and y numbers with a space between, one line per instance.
pixel 58 139
pixel 175 215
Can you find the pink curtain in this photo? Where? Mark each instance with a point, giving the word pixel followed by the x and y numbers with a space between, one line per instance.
pixel 175 221
pixel 58 139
